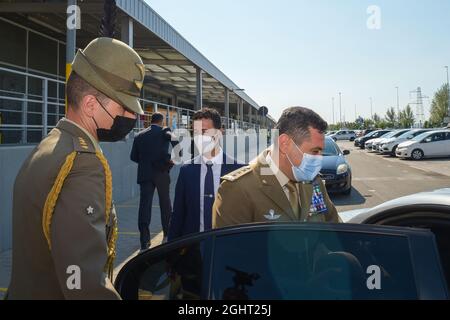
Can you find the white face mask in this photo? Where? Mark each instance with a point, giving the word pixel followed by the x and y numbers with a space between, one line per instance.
pixel 204 144
pixel 308 169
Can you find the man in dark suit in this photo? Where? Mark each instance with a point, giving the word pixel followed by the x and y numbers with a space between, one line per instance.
pixel 199 180
pixel 151 152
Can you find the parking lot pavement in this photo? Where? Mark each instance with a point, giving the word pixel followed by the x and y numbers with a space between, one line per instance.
pixel 378 178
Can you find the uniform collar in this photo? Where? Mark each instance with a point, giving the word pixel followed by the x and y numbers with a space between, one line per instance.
pixel 94 142
pixel 281 177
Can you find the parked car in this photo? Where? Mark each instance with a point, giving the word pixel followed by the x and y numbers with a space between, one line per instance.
pixel 367 131
pixel 344 135
pixel 390 145
pixel 426 145
pixel 336 171
pixel 376 145
pixel 398 250
pixel 360 142
pixel 377 135
pixel 329 133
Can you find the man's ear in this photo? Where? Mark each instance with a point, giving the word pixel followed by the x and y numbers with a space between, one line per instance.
pixel 89 105
pixel 283 143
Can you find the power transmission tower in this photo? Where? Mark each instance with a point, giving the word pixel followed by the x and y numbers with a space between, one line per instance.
pixel 420 114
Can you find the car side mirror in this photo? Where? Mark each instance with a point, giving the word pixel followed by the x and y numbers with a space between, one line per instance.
pixel 346 152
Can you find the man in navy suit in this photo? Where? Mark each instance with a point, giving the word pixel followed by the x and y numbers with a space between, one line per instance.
pixel 151 152
pixel 199 180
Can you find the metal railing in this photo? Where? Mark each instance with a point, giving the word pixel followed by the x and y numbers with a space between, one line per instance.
pixel 27 117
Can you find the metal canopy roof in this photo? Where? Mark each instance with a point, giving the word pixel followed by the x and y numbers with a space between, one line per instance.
pixel 170 59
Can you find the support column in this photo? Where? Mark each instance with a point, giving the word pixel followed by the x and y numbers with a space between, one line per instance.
pixel 127 31
pixel 227 107
pixel 241 112
pixel 250 110
pixel 71 39
pixel 199 95
pixel 175 101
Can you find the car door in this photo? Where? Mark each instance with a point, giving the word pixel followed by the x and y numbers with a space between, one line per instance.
pixel 289 261
pixel 325 262
pixel 174 271
pixel 432 144
pixel 428 211
pixel 446 147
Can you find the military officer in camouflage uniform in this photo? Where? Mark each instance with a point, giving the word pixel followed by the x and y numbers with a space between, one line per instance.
pixel 64 223
pixel 283 183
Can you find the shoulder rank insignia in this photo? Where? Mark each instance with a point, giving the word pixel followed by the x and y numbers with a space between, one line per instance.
pixel 318 205
pixel 235 175
pixel 81 145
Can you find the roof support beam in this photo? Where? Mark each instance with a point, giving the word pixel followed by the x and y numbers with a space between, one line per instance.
pixel 199 93
pixel 162 62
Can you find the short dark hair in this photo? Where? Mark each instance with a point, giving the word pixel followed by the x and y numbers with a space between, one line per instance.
pixel 209 113
pixel 157 117
pixel 297 121
pixel 77 88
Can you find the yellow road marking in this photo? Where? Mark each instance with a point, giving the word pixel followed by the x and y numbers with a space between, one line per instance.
pixel 129 233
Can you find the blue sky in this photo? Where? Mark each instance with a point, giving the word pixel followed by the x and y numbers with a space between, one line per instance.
pixel 295 52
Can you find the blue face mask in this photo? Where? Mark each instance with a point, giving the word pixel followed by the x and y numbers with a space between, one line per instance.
pixel 309 169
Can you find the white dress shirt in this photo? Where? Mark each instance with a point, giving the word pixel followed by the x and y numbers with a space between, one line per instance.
pixel 217 162
pixel 281 177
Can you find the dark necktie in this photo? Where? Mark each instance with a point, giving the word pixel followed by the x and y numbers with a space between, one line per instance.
pixel 208 197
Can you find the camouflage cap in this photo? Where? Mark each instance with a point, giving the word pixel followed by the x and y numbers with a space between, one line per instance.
pixel 114 69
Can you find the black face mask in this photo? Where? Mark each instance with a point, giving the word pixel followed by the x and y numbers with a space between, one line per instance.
pixel 119 130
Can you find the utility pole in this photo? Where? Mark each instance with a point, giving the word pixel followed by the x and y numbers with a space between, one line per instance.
pixel 356 115
pixel 398 105
pixel 340 108
pixel 332 106
pixel 371 108
pixel 448 87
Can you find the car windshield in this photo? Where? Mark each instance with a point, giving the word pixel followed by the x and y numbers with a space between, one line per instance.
pixel 398 134
pixel 331 149
pixel 389 134
pixel 370 134
pixel 422 136
pixel 408 134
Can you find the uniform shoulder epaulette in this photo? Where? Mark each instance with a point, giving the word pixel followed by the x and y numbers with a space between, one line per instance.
pixel 81 145
pixel 235 175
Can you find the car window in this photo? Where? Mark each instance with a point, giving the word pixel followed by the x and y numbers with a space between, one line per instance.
pixel 300 264
pixel 398 134
pixel 439 137
pixel 421 136
pixel 370 134
pixel 436 137
pixel 447 136
pixel 331 149
pixel 174 275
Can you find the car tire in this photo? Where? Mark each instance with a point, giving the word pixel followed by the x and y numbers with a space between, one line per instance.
pixel 417 154
pixel 394 150
pixel 352 139
pixel 335 140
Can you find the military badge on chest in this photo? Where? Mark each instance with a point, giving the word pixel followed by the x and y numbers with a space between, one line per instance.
pixel 318 205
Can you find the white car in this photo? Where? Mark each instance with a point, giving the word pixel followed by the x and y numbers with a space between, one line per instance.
pixel 390 145
pixel 376 145
pixel 426 145
pixel 344 135
pixel 369 143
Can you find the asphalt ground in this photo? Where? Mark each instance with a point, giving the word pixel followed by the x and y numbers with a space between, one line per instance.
pixel 379 178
